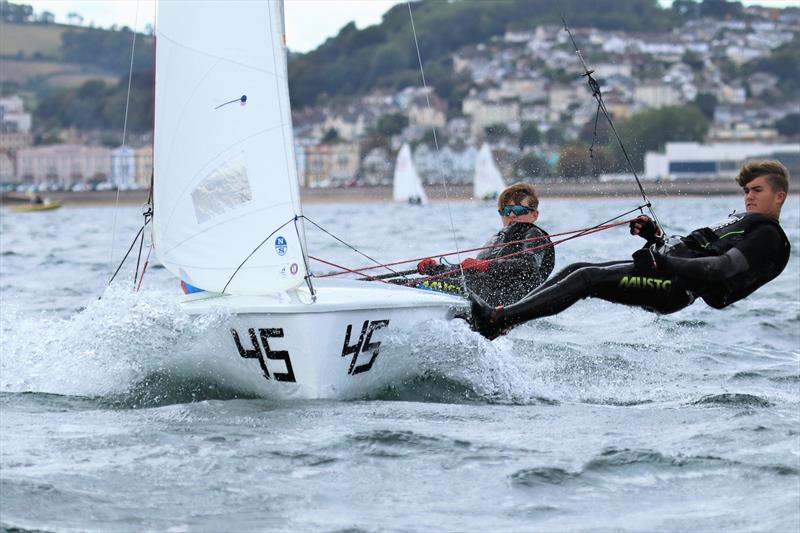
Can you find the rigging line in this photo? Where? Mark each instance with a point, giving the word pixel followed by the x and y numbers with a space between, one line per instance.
pixel 487 247
pixel 144 268
pixel 305 260
pixel 364 277
pixel 254 251
pixel 436 141
pixel 598 96
pixel 138 260
pixel 356 250
pixel 127 253
pixel 587 231
pixel 124 132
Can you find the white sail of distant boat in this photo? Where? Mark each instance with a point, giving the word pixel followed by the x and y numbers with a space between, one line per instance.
pixel 488 181
pixel 407 183
pixel 227 217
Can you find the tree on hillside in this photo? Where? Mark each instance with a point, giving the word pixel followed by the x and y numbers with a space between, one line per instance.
pixel 496 132
pixel 554 136
pixel 96 104
pixel 652 129
pixel 784 63
pixel 595 131
pixel 16 13
pixel 529 135
pixel 356 61
pixel 720 8
pixel 706 103
pixel 789 125
pixel 392 124
pixel 110 50
pixel 331 136
pixel 573 162
pixel 530 166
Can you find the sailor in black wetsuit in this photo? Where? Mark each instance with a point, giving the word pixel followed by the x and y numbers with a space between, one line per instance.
pixel 721 264
pixel 496 278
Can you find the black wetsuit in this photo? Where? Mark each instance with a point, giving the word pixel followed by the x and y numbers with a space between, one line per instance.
pixel 506 280
pixel 721 265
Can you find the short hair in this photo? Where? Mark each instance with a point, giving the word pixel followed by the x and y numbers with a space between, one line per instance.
pixel 516 193
pixel 776 174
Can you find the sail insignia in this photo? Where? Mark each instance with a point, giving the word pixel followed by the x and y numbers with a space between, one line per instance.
pixel 223 190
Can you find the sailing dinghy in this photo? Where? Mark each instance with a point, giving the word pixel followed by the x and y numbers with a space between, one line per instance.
pixel 227 217
pixel 407 185
pixel 488 181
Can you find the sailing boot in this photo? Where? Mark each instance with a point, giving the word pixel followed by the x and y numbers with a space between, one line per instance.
pixel 485 319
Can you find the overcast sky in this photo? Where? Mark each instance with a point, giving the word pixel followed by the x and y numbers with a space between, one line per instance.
pixel 308 22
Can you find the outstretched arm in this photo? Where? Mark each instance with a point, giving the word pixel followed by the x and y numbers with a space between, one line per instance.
pixel 715 268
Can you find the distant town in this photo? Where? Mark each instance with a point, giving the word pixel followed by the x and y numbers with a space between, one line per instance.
pixel 691 103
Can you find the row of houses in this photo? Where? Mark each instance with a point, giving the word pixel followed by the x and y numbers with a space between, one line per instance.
pixel 76 167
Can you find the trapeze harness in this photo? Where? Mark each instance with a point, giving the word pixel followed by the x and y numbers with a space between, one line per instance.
pixel 515 269
pixel 721 265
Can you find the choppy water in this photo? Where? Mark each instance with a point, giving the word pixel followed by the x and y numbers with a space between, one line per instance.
pixel 603 417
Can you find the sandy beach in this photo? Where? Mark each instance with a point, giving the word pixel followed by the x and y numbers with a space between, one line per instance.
pixel 547 189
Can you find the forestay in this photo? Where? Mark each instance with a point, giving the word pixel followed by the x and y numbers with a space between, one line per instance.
pixel 407 183
pixel 225 174
pixel 488 180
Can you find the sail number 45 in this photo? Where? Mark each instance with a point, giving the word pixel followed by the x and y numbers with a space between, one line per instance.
pixel 364 345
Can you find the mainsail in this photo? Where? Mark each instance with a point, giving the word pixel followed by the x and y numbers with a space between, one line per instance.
pixel 226 195
pixel 407 183
pixel 488 180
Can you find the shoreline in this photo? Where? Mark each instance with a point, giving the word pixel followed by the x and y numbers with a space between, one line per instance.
pixel 436 193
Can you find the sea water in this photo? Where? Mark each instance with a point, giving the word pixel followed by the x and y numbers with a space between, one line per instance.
pixel 601 418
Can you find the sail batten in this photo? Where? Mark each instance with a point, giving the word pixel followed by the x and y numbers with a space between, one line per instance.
pixel 225 174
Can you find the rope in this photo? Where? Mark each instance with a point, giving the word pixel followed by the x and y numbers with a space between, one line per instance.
pixel 124 135
pixel 378 263
pixel 364 276
pixel 435 139
pixel 574 233
pixel 601 106
pixel 255 250
pixel 581 233
pixel 144 268
pixel 127 253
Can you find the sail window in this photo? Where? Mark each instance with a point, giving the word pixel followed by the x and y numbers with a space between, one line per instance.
pixel 224 189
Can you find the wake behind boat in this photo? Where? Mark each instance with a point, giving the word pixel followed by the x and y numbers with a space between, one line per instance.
pixel 227 217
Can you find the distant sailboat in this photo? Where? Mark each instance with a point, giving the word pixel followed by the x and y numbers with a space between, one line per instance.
pixel 488 181
pixel 407 183
pixel 227 217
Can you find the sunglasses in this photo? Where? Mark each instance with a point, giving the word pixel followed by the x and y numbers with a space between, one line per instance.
pixel 518 210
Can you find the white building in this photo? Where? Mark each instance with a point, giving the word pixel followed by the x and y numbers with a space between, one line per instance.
pixel 690 160
pixel 13 118
pixel 63 165
pixel 123 167
pixel 656 95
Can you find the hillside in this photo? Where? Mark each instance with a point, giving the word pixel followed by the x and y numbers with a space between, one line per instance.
pixel 37 57
pixel 32 41
pixel 384 55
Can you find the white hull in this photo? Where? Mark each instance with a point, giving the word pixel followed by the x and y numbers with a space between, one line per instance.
pixel 348 343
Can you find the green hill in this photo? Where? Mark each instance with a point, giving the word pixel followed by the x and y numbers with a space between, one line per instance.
pixel 384 55
pixel 29 41
pixel 37 56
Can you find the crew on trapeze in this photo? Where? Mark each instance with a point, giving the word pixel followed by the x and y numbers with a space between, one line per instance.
pixel 501 275
pixel 720 264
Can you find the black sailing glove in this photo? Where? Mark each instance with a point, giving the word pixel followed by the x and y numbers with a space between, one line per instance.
pixel 647 229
